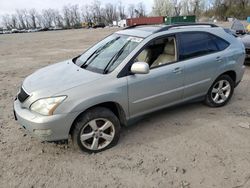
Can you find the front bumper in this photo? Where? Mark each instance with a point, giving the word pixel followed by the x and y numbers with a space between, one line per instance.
pixel 46 128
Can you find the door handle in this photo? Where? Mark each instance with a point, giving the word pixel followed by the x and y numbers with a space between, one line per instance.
pixel 219 59
pixel 177 70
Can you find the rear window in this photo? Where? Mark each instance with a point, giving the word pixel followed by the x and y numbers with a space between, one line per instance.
pixel 195 44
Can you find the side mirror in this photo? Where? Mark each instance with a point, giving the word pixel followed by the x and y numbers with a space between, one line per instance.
pixel 140 68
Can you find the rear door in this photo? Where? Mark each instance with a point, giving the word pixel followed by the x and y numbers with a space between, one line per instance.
pixel 203 58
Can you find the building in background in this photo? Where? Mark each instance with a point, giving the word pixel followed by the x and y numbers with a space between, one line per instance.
pixel 122 23
pixel 145 21
pixel 180 19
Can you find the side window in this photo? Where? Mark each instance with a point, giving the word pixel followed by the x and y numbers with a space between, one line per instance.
pixel 159 52
pixel 221 44
pixel 196 44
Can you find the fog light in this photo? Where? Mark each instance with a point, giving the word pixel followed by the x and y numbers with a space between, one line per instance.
pixel 43 132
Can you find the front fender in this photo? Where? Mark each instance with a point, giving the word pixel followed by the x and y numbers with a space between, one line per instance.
pixel 94 101
pixel 81 98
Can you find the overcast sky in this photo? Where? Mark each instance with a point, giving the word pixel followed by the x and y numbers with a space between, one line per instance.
pixel 9 6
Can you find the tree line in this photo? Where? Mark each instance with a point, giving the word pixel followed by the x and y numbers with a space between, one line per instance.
pixel 217 9
pixel 72 16
pixel 224 9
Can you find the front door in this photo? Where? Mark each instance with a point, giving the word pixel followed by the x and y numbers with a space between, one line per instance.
pixel 163 85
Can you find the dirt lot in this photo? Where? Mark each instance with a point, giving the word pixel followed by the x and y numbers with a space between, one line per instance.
pixel 187 146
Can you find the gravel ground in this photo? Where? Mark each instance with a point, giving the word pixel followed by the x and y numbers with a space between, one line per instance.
pixel 186 146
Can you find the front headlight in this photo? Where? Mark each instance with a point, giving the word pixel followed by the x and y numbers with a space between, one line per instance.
pixel 47 106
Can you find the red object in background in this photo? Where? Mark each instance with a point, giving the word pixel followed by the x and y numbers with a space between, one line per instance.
pixel 145 20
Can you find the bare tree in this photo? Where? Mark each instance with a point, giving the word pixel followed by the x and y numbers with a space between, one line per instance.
pixel 96 11
pixel 72 16
pixel 110 13
pixel 75 16
pixel 163 8
pixel 140 10
pixel 196 6
pixel 177 7
pixel 131 10
pixel 47 15
pixel 40 22
pixel 6 21
pixel 21 18
pixel 26 18
pixel 33 17
pixel 186 7
pixel 12 21
pixel 66 16
pixel 57 18
pixel 121 11
pixel 86 13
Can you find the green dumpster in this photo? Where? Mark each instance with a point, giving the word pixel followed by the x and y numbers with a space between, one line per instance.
pixel 180 19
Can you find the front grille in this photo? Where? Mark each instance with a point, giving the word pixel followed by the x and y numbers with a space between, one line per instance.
pixel 22 96
pixel 248 51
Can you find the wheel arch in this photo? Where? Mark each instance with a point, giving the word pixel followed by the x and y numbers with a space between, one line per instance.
pixel 208 98
pixel 112 106
pixel 231 74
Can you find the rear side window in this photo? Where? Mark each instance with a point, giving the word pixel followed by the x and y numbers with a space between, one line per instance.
pixel 221 44
pixel 195 44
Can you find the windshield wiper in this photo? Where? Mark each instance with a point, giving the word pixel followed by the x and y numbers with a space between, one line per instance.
pixel 114 58
pixel 97 52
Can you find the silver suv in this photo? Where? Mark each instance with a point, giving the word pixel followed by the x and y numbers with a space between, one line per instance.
pixel 130 73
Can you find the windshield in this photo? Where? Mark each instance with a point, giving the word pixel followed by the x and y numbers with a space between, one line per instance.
pixel 106 55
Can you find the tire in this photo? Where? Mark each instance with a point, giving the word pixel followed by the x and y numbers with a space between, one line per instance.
pixel 96 130
pixel 221 91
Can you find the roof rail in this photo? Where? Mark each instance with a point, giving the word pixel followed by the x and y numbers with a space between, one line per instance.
pixel 133 26
pixel 167 27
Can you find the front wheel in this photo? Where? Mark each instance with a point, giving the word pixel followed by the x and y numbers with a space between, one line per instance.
pixel 220 92
pixel 96 130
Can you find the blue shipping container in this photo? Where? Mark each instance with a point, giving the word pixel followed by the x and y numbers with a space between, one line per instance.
pixel 248 19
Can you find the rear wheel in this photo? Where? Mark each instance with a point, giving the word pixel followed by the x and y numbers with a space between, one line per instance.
pixel 96 130
pixel 220 92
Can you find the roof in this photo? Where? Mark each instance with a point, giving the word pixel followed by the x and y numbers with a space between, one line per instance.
pixel 146 30
pixel 140 30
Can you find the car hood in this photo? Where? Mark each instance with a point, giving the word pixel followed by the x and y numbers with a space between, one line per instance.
pixel 59 77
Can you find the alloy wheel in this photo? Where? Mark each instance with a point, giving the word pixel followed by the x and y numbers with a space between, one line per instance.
pixel 97 134
pixel 221 91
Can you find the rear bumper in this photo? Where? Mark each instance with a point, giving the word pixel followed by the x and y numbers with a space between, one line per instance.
pixel 46 128
pixel 240 74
